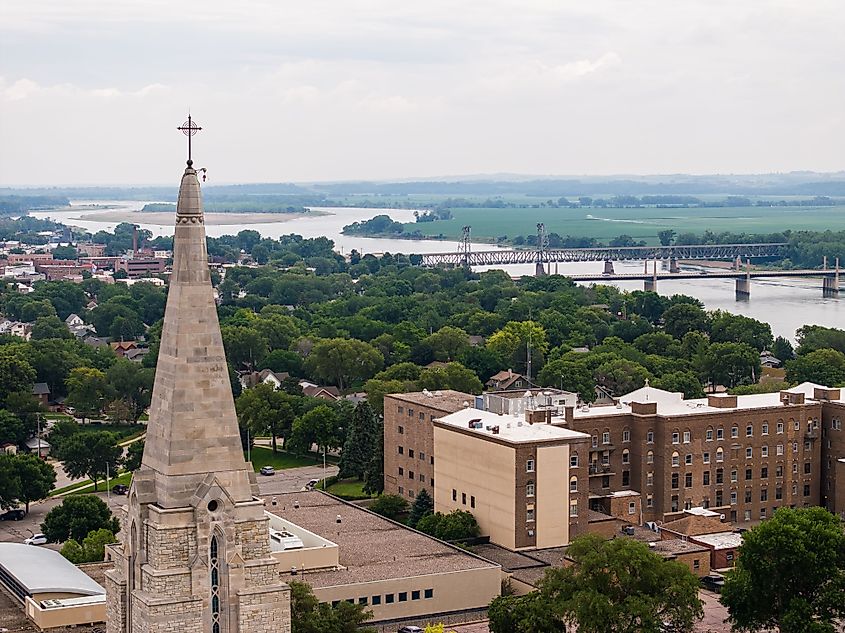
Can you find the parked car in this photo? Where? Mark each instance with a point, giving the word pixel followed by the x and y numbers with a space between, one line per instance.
pixel 410 629
pixel 713 583
pixel 267 470
pixel 312 484
pixel 120 489
pixel 36 539
pixel 15 514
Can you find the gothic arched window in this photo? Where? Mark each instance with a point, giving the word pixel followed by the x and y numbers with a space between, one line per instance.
pixel 214 565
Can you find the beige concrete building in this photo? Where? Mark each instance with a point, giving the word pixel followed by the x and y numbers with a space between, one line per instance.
pixel 194 552
pixel 345 552
pixel 522 481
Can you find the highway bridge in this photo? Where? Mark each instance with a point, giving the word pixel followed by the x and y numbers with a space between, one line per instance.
pixel 545 255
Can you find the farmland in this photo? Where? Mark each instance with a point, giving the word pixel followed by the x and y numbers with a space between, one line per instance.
pixel 641 223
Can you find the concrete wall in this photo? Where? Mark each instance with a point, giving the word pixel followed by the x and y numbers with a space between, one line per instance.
pixel 451 591
pixel 65 616
pixel 552 497
pixel 481 469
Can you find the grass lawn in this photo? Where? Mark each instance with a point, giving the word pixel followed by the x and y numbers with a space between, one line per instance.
pixel 282 460
pixel 87 486
pixel 57 416
pixel 348 489
pixel 122 431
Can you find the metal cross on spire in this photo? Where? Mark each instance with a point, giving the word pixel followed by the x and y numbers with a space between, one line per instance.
pixel 189 129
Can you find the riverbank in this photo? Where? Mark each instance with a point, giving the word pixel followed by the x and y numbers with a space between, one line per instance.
pixel 213 219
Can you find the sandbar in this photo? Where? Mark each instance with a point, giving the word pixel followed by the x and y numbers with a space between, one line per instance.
pixel 164 218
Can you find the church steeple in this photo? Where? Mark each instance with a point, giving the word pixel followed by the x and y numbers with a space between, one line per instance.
pixel 194 552
pixel 193 429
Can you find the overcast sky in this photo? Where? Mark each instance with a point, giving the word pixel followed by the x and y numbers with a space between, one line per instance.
pixel 91 92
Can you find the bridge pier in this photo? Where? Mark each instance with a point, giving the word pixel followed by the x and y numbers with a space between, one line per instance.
pixel 539 269
pixel 673 265
pixel 743 288
pixel 830 285
pixel 608 267
pixel 650 285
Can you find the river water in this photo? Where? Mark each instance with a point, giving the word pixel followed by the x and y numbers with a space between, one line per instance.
pixel 786 304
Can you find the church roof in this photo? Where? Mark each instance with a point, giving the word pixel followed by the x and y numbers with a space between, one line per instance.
pixel 192 429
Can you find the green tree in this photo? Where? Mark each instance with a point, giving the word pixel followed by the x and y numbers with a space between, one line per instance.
pixel 666 236
pixel 569 375
pixel 620 586
pixel 94 545
pixel 736 328
pixel 621 376
pixel 309 615
pixel 422 507
pixel 790 574
pixel 681 318
pixel 374 474
pixel 16 374
pixel 730 364
pixel 513 340
pixel 343 362
pixel 454 526
pixel 264 409
pixel 523 614
pixel 390 506
pixel 452 376
pixel 132 383
pixel 321 426
pixel 134 453
pixel 14 429
pixel 10 482
pixel 482 361
pixel 376 390
pixel 76 517
pixel 245 346
pixel 73 551
pixel 823 367
pixel 88 390
pixel 361 442
pixel 91 455
pixel 813 337
pixel 448 343
pixel 685 382
pixel 782 349
pixel 50 327
pixel 36 476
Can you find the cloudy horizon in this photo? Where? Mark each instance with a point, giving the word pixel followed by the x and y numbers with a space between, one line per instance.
pixel 91 92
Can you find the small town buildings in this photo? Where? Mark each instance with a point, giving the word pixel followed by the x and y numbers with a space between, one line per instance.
pixel 74 320
pixel 41 392
pixel 38 446
pixel 140 266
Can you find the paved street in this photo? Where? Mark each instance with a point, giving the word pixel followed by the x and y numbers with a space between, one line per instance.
pixel 292 479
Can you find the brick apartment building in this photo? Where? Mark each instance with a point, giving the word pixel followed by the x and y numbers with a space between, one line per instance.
pixel 137 267
pixel 653 454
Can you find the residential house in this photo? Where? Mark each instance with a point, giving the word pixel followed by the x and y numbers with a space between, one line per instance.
pixel 74 320
pixel 505 380
pixel 41 391
pixel 121 347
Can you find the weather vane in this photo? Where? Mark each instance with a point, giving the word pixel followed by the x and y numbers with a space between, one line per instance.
pixel 189 129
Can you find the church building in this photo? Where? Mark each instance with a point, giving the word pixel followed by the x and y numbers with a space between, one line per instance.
pixel 194 552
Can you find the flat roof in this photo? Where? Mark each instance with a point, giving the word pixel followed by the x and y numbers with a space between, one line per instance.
pixel 511 429
pixel 42 570
pixel 447 400
pixel 720 540
pixel 371 548
pixel 675 546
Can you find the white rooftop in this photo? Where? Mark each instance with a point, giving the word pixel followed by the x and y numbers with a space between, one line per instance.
pixel 511 429
pixel 701 512
pixel 720 540
pixel 42 570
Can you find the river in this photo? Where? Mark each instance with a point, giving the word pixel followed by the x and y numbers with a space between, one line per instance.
pixel 786 304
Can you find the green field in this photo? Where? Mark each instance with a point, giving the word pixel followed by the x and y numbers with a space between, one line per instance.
pixel 640 223
pixel 349 489
pixel 282 460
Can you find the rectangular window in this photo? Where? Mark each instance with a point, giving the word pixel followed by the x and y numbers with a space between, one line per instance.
pixel 676 437
pixel 764 472
pixel 605 438
pixel 733 498
pixel 688 459
pixel 720 434
pixel 709 435
pixel 401 430
pixel 401 409
pixel 780 427
pixel 626 457
pixel 733 475
pixel 650 437
pixel 649 479
pixel 403 596
pixel 688 480
pixel 747 496
pixel 675 481
pixel 705 478
pixel 410 413
pixel 422 415
pixel 806 490
pixel 573 461
pixel 748 453
pixel 686 437
pixel 778 471
pixel 389 598
pixel 734 431
pixel 807 468
pixel 778 493
pixel 706 458
pixel 415 595
pixel 749 431
pixel 401 451
pixel 696 563
pixel 765 429
pixel 375 600
pixel 422 478
pixel 401 471
pixel 529 489
pixel 401 490
pixel 764 451
pixel 410 474
pixel 626 477
pixel 464 498
pixel 573 508
pixel 410 452
pixel 779 449
pixel 422 456
pixel 529 515
pixel 363 600
pixel 720 475
pixel 529 466
pixel 762 513
pixel 428 593
pixel 454 495
pixel 472 502
pixel 632 507
pixel 649 501
pixel 764 494
pixel 626 435
pixel 748 474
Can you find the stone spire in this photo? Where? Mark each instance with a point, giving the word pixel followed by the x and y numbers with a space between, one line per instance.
pixel 193 430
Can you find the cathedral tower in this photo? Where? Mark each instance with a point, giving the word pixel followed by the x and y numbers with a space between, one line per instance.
pixel 194 552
